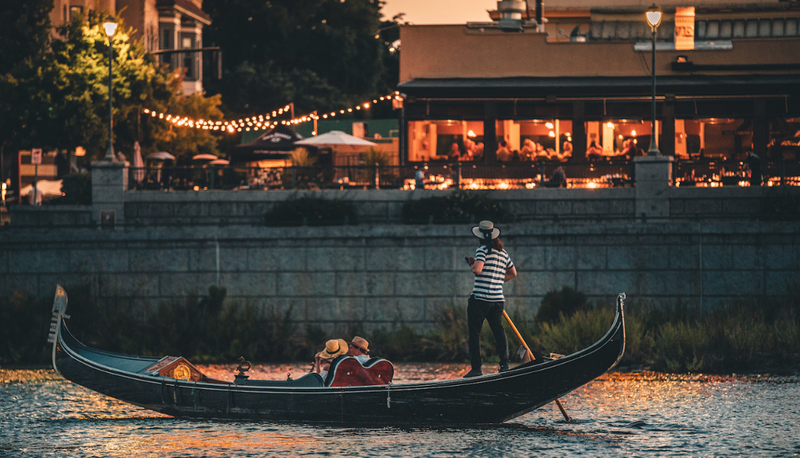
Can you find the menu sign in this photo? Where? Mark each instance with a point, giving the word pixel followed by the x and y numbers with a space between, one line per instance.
pixel 684 28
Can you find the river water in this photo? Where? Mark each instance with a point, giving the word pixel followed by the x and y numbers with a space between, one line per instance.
pixel 633 414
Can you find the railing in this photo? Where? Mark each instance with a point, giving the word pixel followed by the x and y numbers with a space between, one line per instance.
pixel 434 176
pixel 735 173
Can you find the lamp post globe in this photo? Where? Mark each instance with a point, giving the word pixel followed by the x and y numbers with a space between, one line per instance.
pixel 653 16
pixel 110 27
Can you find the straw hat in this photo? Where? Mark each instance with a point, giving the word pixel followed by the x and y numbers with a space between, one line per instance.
pixel 485 227
pixel 334 348
pixel 360 343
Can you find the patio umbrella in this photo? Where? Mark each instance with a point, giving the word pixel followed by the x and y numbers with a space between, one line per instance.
pixel 161 156
pixel 138 163
pixel 335 138
pixel 204 157
pixel 219 162
pixel 45 187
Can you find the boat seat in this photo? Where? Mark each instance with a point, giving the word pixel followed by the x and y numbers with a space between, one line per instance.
pixel 347 371
pixel 311 380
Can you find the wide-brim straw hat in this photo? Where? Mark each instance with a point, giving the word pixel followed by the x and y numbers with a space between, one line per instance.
pixel 360 343
pixel 485 227
pixel 334 348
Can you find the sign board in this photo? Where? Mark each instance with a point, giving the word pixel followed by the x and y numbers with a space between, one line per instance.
pixel 36 156
pixel 684 28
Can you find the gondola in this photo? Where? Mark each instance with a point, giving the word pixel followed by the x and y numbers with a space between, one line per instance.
pixel 487 399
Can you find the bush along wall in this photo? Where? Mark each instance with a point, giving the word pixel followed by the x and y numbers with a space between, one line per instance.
pixel 311 210
pixel 456 207
pixel 761 336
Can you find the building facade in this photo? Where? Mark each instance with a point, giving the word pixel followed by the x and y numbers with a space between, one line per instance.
pixel 164 27
pixel 581 90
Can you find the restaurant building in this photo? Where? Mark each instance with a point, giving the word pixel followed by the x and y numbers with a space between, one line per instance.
pixel 576 88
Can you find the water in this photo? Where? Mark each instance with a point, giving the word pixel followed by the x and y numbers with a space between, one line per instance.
pixel 639 414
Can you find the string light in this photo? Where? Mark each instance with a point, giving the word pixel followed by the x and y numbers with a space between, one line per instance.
pixel 261 121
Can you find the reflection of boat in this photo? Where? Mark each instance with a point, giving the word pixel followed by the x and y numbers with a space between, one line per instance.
pixel 490 398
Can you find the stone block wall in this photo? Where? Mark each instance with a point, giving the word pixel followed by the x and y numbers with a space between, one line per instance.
pixel 385 275
pixel 154 208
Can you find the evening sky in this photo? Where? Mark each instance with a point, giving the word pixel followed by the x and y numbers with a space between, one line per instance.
pixel 440 11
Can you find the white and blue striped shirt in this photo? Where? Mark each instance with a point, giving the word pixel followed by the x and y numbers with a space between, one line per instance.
pixel 489 283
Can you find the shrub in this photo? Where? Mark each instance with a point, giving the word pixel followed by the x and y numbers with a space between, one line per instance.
pixel 311 210
pixel 457 207
pixel 559 304
pixel 23 329
pixel 77 189
pixel 780 204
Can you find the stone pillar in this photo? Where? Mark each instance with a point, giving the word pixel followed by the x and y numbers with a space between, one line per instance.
pixel 653 179
pixel 108 194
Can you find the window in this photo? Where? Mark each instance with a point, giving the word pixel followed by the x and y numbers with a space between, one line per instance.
pixel 75 12
pixel 618 138
pixel 189 60
pixel 534 139
pixel 713 138
pixel 439 140
pixel 784 140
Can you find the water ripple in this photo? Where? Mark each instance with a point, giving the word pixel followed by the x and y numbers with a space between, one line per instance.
pixel 641 414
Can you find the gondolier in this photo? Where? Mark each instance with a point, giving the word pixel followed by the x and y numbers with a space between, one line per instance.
pixel 492 267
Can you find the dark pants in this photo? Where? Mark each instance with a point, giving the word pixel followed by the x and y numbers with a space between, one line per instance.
pixel 477 311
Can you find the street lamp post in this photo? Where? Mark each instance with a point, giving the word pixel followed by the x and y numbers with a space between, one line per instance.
pixel 110 27
pixel 653 16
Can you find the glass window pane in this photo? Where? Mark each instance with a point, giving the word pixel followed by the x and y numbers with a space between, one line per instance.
pixel 445 141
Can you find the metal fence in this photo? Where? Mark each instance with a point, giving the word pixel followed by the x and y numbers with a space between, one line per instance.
pixel 735 173
pixel 433 176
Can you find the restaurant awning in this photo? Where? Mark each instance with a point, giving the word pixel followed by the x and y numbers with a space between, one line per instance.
pixel 572 87
pixel 274 144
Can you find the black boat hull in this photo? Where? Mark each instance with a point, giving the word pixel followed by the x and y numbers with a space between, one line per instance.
pixel 487 399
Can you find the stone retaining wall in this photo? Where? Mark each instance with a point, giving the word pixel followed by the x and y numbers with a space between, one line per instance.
pixel 384 275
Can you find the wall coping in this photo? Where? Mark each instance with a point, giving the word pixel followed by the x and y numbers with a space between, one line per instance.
pixel 13 236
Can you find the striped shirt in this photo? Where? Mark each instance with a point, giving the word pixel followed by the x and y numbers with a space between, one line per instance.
pixel 489 283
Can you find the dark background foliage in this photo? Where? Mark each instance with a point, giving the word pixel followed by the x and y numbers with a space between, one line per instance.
pixel 319 54
pixel 456 207
pixel 311 210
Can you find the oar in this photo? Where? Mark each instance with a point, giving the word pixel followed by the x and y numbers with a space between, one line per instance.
pixel 519 336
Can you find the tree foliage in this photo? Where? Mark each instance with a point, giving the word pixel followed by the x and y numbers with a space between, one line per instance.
pixel 319 54
pixel 58 98
pixel 24 31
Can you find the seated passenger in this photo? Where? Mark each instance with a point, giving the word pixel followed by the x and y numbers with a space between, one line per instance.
pixel 323 359
pixel 558 180
pixel 359 348
pixel 503 154
pixel 528 151
pixel 594 151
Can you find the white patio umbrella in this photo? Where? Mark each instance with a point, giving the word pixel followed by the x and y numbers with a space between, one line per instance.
pixel 161 156
pixel 204 157
pixel 219 162
pixel 138 163
pixel 335 138
pixel 43 188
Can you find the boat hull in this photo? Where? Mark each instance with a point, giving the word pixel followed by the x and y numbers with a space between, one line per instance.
pixel 490 398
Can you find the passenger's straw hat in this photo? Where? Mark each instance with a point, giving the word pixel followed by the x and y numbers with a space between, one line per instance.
pixel 360 343
pixel 485 227
pixel 334 348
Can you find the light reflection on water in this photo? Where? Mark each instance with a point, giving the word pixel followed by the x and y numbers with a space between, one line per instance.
pixel 620 413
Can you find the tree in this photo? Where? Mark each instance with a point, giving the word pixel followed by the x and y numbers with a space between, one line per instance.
pixel 58 98
pixel 24 31
pixel 320 54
